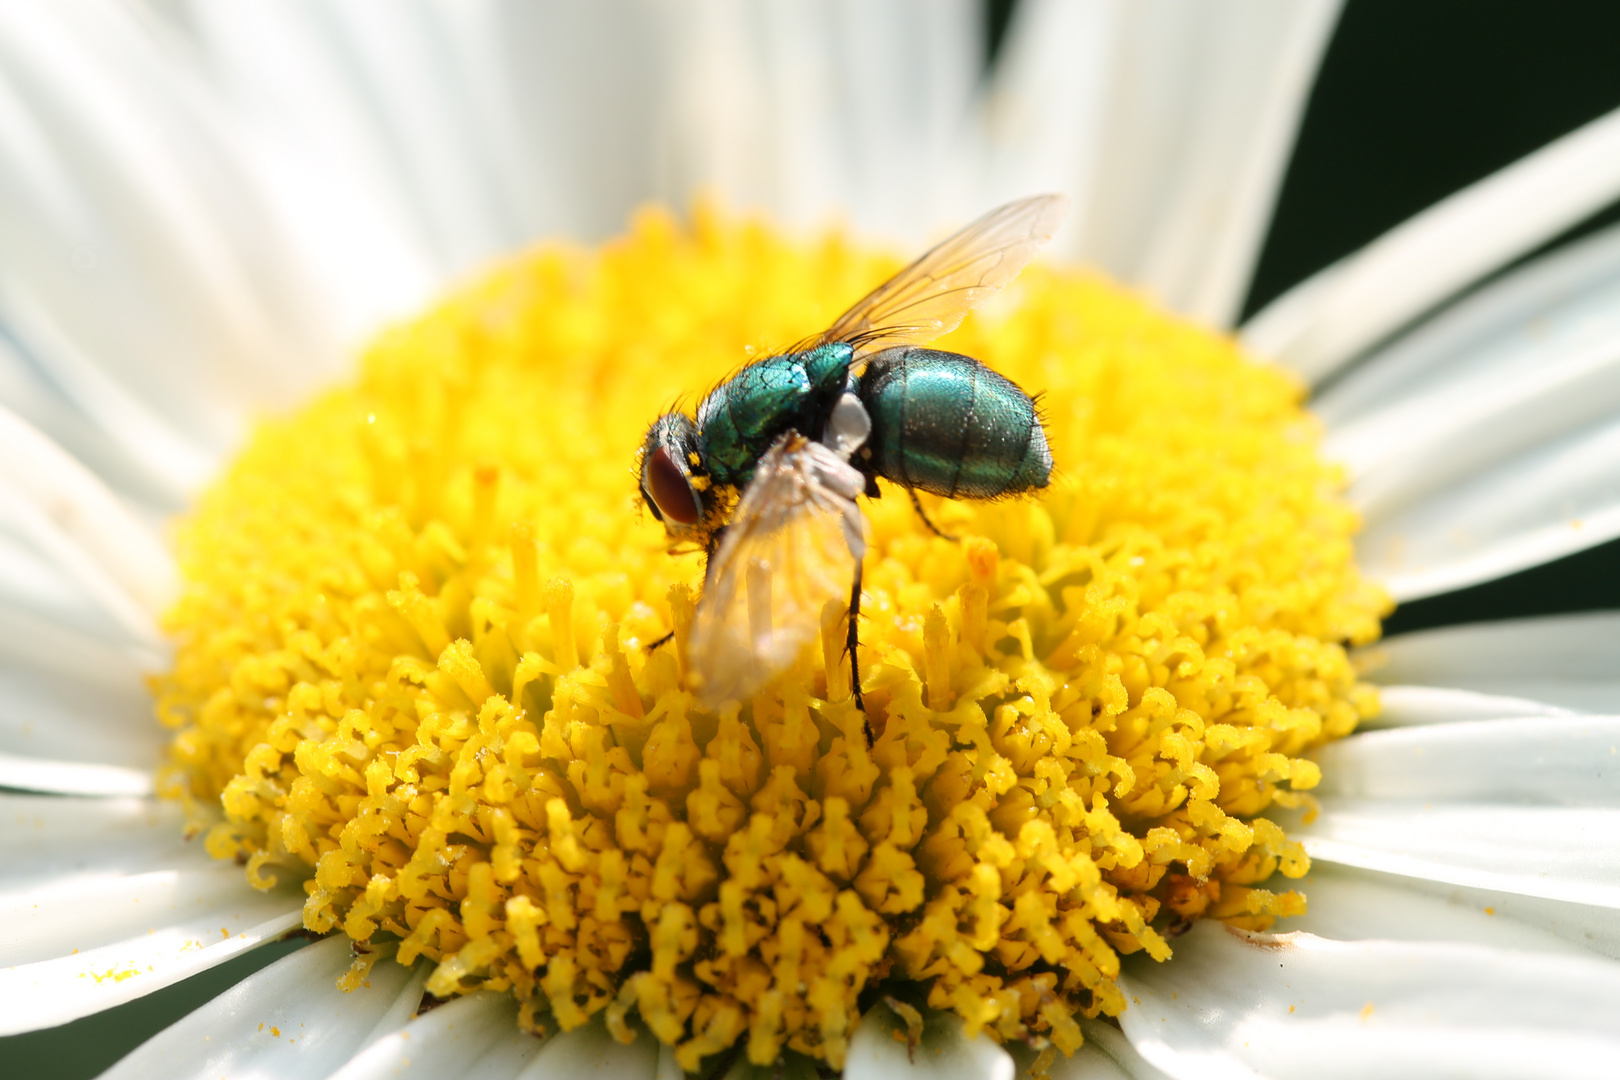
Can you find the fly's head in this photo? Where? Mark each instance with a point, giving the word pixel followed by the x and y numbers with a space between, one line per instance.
pixel 675 482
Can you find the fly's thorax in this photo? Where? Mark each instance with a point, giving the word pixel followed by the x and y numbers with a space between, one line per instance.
pixel 828 365
pixel 946 424
pixel 743 416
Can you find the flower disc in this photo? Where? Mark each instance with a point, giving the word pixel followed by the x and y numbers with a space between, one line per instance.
pixel 416 665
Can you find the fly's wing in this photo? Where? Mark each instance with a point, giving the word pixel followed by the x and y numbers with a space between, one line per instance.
pixel 931 296
pixel 790 547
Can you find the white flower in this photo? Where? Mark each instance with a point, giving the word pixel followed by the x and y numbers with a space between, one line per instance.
pixel 201 210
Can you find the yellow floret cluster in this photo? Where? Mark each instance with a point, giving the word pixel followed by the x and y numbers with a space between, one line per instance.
pixel 414 665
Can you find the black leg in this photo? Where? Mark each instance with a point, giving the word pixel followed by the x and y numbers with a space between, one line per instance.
pixel 920 513
pixel 853 644
pixel 665 640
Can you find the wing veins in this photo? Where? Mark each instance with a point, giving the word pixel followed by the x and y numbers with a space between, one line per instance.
pixel 788 549
pixel 952 278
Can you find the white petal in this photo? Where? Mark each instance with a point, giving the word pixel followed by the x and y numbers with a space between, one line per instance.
pixel 1458 240
pixel 591 166
pixel 44 838
pixel 1536 344
pixel 589 1052
pixel 1352 904
pixel 451 130
pixel 408 63
pixel 1559 853
pixel 72 777
pixel 51 992
pixel 1232 1004
pixel 1534 761
pixel 47 920
pixel 1044 111
pixel 1169 123
pixel 1565 660
pixel 1415 706
pixel 510 1054
pixel 823 110
pixel 35 587
pixel 74 700
pixel 289 1019
pixel 1106 1055
pixel 943 1053
pixel 165 459
pixel 46 576
pixel 69 514
pixel 1549 501
pixel 903 76
pixel 1481 443
pixel 1527 806
pixel 102 901
pixel 1556 305
pixel 670 1069
pixel 136 233
pixel 26 390
pixel 412 121
pixel 30 526
pixel 320 156
pixel 472 1038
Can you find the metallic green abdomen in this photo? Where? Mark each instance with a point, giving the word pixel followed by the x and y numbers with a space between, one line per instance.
pixel 947 424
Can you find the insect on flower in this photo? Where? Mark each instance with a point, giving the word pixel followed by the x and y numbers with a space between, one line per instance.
pixel 765 476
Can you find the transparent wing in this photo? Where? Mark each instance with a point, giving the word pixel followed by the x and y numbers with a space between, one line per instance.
pixel 930 297
pixel 791 546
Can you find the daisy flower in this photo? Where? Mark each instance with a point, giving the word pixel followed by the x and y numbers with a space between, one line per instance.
pixel 403 640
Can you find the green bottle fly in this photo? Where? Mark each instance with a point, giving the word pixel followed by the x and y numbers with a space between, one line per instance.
pixel 765 476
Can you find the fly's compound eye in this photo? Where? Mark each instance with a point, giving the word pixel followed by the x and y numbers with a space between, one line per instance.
pixel 671 494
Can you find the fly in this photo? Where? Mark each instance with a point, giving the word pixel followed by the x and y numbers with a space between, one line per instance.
pixel 766 473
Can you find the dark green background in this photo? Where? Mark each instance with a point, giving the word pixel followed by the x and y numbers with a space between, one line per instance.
pixel 1415 99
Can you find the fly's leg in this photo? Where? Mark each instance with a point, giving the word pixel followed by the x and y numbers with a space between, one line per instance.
pixel 709 548
pixel 853 644
pixel 917 503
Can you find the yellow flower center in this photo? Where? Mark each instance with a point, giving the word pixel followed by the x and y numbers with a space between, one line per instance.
pixel 415 665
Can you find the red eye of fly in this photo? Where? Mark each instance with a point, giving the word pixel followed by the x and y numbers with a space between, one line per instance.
pixel 669 489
